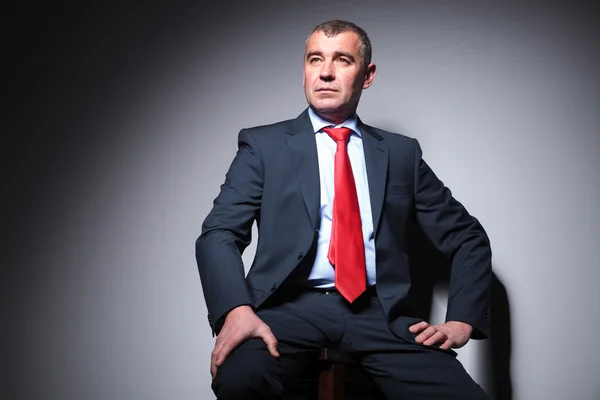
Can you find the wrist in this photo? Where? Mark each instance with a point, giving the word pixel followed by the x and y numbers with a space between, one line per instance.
pixel 244 308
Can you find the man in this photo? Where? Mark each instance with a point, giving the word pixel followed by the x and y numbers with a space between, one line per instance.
pixel 330 268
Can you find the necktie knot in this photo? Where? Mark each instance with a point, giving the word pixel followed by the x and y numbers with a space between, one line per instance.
pixel 338 134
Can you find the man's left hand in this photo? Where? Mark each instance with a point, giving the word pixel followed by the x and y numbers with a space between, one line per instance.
pixel 452 334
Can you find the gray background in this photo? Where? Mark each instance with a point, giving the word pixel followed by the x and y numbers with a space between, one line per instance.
pixel 127 120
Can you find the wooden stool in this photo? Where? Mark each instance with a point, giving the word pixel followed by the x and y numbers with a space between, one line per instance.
pixel 333 376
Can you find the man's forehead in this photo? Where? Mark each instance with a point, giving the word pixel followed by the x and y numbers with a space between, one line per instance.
pixel 347 41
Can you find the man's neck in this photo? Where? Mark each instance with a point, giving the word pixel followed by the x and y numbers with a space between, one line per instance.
pixel 334 119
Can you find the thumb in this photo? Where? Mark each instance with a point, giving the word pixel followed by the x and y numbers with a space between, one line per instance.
pixel 268 337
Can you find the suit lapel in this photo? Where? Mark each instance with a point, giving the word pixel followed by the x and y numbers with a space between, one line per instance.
pixel 303 155
pixel 376 161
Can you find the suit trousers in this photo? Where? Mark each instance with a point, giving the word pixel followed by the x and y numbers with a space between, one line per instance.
pixel 303 321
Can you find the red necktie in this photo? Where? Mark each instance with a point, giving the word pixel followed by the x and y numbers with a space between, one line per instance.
pixel 346 248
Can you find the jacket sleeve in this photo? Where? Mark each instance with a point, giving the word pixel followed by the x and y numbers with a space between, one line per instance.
pixel 227 231
pixel 462 239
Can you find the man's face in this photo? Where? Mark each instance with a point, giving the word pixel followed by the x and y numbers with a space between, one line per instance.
pixel 333 74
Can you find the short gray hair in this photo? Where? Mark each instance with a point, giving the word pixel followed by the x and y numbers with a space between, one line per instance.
pixel 335 27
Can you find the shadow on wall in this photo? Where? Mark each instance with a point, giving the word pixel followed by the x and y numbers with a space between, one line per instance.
pixel 500 343
pixel 430 269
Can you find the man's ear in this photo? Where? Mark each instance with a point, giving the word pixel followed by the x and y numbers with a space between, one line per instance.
pixel 370 73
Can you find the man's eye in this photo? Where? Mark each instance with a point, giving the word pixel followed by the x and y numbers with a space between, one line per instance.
pixel 345 61
pixel 314 59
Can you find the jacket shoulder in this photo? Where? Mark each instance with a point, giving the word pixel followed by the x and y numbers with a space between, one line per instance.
pixel 395 137
pixel 265 129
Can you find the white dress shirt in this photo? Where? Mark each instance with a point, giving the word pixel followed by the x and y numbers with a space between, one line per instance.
pixel 323 273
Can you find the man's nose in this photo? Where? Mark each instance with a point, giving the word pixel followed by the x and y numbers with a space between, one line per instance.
pixel 327 72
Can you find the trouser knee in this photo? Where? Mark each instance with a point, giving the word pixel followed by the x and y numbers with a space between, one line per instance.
pixel 234 382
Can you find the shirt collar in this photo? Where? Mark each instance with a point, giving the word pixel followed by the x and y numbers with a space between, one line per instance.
pixel 319 123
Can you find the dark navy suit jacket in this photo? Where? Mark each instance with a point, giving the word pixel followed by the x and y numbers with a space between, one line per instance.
pixel 274 179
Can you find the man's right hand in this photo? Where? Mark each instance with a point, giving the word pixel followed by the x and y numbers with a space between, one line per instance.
pixel 240 325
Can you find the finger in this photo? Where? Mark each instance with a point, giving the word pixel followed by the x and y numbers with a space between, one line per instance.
pixel 426 334
pixel 226 347
pixel 223 337
pixel 447 345
pixel 416 328
pixel 271 342
pixel 437 337
pixel 222 355
pixel 218 349
pixel 213 365
pixel 213 362
pixel 225 344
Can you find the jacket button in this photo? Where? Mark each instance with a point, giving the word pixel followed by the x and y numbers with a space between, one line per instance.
pixel 273 287
pixel 300 256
